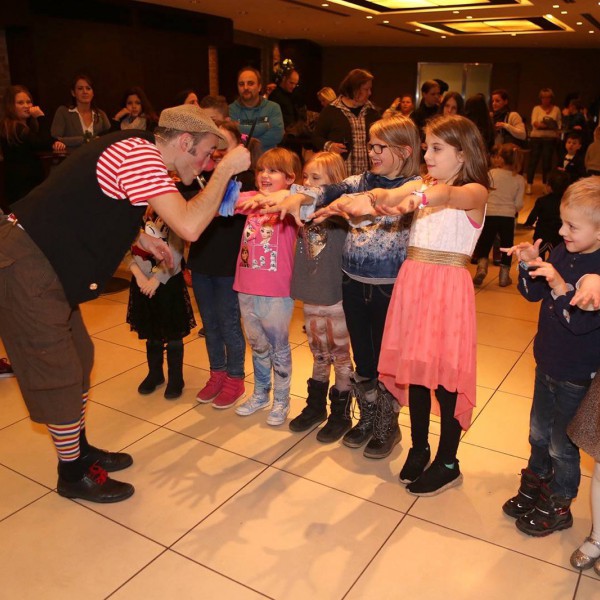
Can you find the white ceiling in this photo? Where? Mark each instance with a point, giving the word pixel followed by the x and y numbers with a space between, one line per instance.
pixel 308 19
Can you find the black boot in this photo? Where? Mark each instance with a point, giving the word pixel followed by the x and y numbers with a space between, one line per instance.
pixel 551 513
pixel 386 431
pixel 315 410
pixel 155 377
pixel 339 421
pixel 365 393
pixel 109 461
pixel 527 495
pixel 175 367
pixel 77 479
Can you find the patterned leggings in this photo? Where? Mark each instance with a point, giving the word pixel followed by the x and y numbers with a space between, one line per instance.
pixel 329 343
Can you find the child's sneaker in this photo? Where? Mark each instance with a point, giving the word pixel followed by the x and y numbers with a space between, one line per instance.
pixel 5 369
pixel 437 478
pixel 233 389
pixel 213 387
pixel 415 464
pixel 551 513
pixel 279 412
pixel 527 495
pixel 254 403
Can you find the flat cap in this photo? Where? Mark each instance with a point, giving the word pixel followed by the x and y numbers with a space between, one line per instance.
pixel 191 119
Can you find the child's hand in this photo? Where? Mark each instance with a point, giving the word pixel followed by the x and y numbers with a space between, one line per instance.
pixel 524 251
pixel 587 297
pixel 140 278
pixel 347 206
pixel 248 205
pixel 284 205
pixel 553 277
pixel 150 287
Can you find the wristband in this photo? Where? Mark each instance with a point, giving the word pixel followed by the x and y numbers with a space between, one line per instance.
pixel 423 198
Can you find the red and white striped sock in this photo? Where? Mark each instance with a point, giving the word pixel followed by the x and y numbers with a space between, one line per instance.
pixel 66 440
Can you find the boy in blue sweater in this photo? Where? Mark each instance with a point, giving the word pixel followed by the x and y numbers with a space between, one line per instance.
pixel 567 354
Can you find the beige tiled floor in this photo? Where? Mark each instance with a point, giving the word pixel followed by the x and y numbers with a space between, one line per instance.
pixel 230 508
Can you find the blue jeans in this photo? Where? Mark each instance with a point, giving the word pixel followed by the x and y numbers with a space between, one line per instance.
pixel 267 326
pixel 365 307
pixel 554 405
pixel 220 313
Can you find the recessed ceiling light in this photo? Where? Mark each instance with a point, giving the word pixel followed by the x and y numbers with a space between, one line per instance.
pixel 469 17
pixel 443 37
pixel 369 17
pixel 386 21
pixel 417 30
pixel 456 12
pixel 324 4
pixel 579 23
pixel 591 31
pixel 563 12
pixel 513 35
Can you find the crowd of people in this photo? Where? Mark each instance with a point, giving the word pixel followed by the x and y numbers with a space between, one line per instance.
pixel 371 229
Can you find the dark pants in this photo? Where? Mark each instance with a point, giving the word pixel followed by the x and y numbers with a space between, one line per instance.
pixel 554 405
pixel 505 228
pixel 220 313
pixel 48 345
pixel 365 307
pixel 544 148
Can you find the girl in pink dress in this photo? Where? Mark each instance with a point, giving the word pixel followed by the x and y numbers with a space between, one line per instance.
pixel 429 343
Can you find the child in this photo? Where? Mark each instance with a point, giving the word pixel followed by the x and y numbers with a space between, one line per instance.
pixel 504 200
pixel 216 107
pixel 584 433
pixel 212 260
pixel 160 309
pixel 429 343
pixel 573 161
pixel 317 282
pixel 567 353
pixel 262 280
pixel 545 214
pixel 592 155
pixel 374 251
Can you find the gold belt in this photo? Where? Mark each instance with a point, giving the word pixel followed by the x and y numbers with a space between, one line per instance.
pixel 438 257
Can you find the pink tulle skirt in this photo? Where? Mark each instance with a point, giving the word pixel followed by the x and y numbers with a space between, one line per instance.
pixel 430 335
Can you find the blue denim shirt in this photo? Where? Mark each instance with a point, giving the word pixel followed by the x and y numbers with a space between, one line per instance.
pixel 378 250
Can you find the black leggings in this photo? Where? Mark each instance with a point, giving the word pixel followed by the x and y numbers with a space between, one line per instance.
pixel 419 402
pixel 503 226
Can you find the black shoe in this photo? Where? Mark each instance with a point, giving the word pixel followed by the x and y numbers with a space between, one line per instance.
pixel 339 421
pixel 415 464
pixel 365 393
pixel 551 513
pixel 150 384
pixel 109 461
pixel 315 410
pixel 527 495
pixel 95 486
pixel 386 431
pixel 437 478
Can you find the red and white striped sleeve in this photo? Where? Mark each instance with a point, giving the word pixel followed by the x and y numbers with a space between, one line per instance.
pixel 133 169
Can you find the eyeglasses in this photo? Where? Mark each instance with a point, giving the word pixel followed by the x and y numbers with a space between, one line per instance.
pixel 378 148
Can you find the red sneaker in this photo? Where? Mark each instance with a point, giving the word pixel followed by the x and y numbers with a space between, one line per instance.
pixel 233 390
pixel 212 388
pixel 5 369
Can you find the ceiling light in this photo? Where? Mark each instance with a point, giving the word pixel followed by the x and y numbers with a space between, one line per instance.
pixel 386 21
pixel 456 12
pixel 469 17
pixel 591 31
pixel 563 12
pixel 324 4
pixel 443 37
pixel 579 23
pixel 417 30
pixel 513 35
pixel 369 17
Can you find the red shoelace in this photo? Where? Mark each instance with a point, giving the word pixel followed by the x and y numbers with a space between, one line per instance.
pixel 98 474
